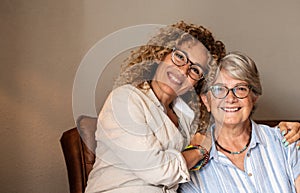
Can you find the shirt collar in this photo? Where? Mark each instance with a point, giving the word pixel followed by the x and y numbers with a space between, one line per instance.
pixel 257 137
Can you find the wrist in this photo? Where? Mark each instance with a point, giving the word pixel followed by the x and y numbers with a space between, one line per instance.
pixel 204 156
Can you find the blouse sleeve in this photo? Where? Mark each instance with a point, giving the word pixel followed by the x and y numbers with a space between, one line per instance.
pixel 123 126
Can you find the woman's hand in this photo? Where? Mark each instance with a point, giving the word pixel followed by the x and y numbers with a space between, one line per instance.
pixel 291 132
pixel 203 140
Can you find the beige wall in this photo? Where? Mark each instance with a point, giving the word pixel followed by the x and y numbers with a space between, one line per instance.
pixel 43 42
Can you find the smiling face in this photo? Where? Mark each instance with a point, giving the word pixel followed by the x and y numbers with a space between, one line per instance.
pixel 171 80
pixel 229 110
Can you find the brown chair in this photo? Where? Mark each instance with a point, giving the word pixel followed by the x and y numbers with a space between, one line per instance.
pixel 78 145
pixel 78 151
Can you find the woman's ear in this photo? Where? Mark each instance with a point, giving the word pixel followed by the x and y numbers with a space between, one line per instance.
pixel 206 101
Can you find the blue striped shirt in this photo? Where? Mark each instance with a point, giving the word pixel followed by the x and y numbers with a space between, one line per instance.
pixel 270 167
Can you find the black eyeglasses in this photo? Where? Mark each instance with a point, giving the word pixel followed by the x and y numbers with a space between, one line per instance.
pixel 195 71
pixel 221 91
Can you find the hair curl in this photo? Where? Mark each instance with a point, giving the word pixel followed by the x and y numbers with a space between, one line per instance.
pixel 141 65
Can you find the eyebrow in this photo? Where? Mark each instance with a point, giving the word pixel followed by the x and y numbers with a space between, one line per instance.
pixel 238 84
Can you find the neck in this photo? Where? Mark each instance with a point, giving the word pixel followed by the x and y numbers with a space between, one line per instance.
pixel 232 131
pixel 233 139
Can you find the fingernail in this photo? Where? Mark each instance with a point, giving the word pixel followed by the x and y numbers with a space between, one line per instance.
pixel 286 143
pixel 283 132
pixel 283 141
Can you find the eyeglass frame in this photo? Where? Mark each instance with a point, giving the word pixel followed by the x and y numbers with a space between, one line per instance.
pixel 204 72
pixel 233 90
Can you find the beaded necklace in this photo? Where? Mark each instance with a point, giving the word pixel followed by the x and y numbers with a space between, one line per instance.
pixel 235 152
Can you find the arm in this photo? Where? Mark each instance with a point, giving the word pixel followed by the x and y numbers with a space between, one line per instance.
pixel 297 184
pixel 291 131
pixel 192 157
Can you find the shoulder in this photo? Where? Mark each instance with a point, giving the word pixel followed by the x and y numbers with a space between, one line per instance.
pixel 267 135
pixel 126 92
pixel 266 129
pixel 273 140
pixel 129 96
pixel 124 89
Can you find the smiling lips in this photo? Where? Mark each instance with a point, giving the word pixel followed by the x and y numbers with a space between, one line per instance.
pixel 174 78
pixel 230 109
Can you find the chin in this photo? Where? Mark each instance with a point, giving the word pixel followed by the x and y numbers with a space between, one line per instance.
pixel 174 91
pixel 169 90
pixel 231 121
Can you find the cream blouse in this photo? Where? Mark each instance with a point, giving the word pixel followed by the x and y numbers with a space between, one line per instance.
pixel 138 146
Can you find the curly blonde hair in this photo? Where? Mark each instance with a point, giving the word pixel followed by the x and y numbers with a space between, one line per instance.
pixel 141 65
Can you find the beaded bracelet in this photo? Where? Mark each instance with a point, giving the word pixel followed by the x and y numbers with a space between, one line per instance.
pixel 203 161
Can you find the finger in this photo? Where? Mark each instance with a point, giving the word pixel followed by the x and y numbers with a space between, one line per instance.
pixel 291 136
pixel 292 139
pixel 283 128
pixel 290 131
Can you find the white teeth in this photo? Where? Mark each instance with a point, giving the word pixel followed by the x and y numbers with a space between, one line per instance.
pixel 230 109
pixel 174 79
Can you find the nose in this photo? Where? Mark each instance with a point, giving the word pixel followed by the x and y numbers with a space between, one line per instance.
pixel 231 98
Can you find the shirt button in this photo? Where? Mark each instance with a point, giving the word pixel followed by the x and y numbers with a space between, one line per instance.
pixel 250 174
pixel 248 154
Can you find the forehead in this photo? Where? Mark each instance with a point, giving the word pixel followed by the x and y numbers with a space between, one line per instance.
pixel 196 52
pixel 224 77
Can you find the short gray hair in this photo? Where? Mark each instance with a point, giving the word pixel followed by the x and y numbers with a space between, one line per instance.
pixel 239 66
